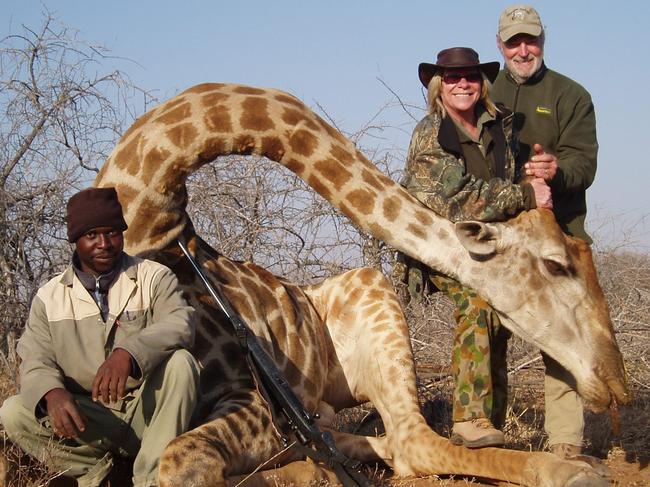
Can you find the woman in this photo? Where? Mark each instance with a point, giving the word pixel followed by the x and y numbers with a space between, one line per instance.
pixel 460 164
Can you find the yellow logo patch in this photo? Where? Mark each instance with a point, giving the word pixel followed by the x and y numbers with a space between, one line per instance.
pixel 544 110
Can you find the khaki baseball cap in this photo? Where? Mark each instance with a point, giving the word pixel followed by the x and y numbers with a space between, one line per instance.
pixel 519 19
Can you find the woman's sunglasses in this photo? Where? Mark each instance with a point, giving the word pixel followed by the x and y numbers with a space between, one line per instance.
pixel 453 78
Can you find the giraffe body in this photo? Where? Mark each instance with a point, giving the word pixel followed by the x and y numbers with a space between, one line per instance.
pixel 345 341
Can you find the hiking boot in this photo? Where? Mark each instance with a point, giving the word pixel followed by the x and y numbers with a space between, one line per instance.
pixel 476 433
pixel 565 450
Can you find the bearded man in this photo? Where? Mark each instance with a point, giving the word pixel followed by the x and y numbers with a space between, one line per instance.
pixel 555 125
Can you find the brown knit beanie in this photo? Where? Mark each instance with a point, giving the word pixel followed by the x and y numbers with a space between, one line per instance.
pixel 93 208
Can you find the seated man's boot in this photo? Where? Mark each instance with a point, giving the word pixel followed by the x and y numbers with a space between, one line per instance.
pixel 476 433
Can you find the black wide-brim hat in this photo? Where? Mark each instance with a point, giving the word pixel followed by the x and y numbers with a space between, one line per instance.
pixel 457 57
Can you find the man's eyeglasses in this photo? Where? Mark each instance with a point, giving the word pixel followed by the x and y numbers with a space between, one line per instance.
pixel 453 78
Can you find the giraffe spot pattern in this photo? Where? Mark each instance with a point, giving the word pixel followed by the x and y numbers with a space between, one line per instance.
pixel 331 131
pixel 255 115
pixel 341 154
pixel 378 231
pixel 294 118
pixel 317 184
pixel 212 99
pixel 373 308
pixel 303 142
pixel 377 295
pixel 424 218
pixel 417 230
pixel 175 115
pixel 183 135
pixel 373 181
pixel 367 276
pixel 233 426
pixel 212 148
pixel 290 100
pixel 295 166
pixel 231 353
pixel 127 195
pixel 163 224
pixel 273 148
pixel 391 208
pixel 333 172
pixel 244 144
pixel 214 372
pixel 362 200
pixel 147 211
pixel 248 90
pixel 217 119
pixel 152 161
pixel 203 343
pixel 128 158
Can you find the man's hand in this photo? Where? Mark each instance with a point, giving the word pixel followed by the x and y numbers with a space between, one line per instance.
pixel 541 165
pixel 65 415
pixel 543 196
pixel 110 380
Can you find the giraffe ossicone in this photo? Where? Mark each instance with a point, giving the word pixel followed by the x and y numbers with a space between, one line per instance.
pixel 345 341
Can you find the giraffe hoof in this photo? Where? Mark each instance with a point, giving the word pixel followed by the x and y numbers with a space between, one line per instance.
pixel 587 479
pixel 596 463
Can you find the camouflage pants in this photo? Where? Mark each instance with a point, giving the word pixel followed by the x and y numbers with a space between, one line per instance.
pixel 478 358
pixel 479 352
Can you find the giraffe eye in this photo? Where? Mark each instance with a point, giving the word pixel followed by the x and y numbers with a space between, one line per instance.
pixel 556 268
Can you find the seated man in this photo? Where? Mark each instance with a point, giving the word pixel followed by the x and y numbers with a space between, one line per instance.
pixel 105 369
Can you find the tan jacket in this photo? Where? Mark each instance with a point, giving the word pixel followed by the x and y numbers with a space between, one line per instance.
pixel 65 340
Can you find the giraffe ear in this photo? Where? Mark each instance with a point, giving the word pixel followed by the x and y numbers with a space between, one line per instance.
pixel 480 239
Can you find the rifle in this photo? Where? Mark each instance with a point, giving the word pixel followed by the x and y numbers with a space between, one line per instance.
pixel 317 444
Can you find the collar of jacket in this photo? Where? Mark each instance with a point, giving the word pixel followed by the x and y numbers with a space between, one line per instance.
pixel 129 268
pixel 449 141
pixel 534 79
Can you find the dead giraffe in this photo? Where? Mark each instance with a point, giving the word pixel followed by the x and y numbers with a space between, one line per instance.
pixel 345 341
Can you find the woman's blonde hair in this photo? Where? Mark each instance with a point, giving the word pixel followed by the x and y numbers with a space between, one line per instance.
pixel 434 101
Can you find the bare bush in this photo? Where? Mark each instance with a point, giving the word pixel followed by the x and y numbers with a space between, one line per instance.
pixel 61 116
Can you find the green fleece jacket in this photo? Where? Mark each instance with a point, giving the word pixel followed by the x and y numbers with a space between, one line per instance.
pixel 556 112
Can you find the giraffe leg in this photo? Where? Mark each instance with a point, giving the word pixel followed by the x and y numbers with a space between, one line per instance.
pixel 362 448
pixel 237 437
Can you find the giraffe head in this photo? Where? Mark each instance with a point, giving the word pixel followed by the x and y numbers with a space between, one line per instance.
pixel 545 289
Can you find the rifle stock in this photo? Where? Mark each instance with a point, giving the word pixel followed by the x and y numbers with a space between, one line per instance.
pixel 317 444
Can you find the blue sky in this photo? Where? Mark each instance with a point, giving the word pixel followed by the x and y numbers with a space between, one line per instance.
pixel 334 54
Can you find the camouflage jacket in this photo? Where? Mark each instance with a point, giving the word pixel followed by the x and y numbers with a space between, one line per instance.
pixel 436 174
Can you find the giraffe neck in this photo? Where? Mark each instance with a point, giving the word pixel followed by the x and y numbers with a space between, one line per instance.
pixel 150 164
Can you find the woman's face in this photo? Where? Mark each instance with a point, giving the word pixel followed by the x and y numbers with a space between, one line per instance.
pixel 461 90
